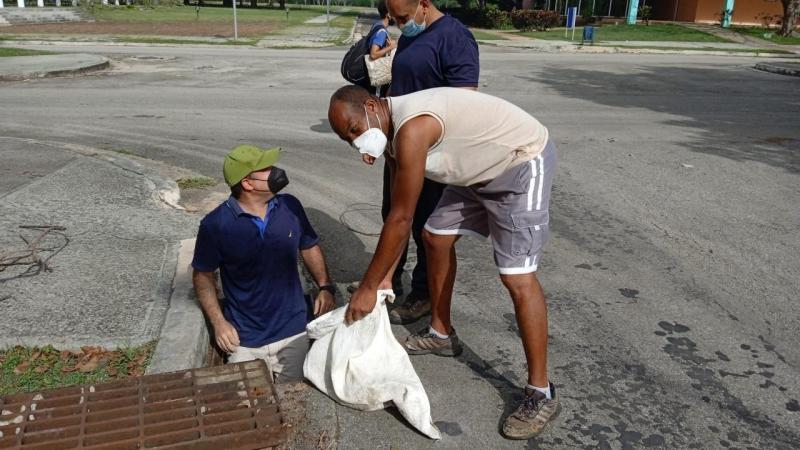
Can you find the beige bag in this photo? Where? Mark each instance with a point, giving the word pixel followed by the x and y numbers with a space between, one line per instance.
pixel 380 70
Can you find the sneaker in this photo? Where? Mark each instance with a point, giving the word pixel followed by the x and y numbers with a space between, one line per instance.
pixel 397 287
pixel 532 415
pixel 423 342
pixel 416 306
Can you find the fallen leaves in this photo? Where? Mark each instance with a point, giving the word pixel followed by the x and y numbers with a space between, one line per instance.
pixel 31 368
pixel 22 368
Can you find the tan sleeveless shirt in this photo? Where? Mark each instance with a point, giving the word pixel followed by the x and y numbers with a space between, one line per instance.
pixel 482 136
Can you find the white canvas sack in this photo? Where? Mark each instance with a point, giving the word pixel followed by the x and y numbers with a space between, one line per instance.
pixel 364 367
pixel 380 70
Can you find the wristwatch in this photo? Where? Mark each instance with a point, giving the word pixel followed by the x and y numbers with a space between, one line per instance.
pixel 328 287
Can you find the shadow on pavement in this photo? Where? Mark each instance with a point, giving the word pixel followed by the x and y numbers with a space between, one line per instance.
pixel 716 108
pixel 345 254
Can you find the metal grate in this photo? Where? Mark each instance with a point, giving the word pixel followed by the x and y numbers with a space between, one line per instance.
pixel 225 407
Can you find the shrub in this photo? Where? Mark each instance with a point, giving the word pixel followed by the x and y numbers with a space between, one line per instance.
pixel 489 17
pixel 645 13
pixel 493 17
pixel 534 19
pixel 587 13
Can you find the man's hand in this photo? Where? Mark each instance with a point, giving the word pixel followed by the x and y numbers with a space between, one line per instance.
pixel 361 304
pixel 324 303
pixel 226 336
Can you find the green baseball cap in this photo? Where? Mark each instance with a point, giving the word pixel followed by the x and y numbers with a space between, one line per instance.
pixel 245 159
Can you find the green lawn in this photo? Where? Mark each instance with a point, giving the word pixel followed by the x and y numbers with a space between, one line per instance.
pixel 711 49
pixel 212 14
pixel 25 369
pixel 21 52
pixel 769 35
pixel 487 35
pixel 654 32
pixel 158 40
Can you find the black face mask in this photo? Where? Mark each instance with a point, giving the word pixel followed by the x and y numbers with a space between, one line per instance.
pixel 392 22
pixel 277 179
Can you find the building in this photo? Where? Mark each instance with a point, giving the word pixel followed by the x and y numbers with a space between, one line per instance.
pixel 745 12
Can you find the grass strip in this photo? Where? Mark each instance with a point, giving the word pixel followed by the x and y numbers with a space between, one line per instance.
pixel 4 51
pixel 156 40
pixel 768 34
pixel 701 49
pixel 488 35
pixel 666 32
pixel 26 369
pixel 196 182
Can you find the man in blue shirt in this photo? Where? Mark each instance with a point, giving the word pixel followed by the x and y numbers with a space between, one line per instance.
pixel 435 50
pixel 254 239
pixel 381 44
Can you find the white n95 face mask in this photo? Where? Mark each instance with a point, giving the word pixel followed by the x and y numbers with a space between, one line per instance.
pixel 372 142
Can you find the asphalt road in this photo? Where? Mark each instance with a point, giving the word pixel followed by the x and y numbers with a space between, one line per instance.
pixel 672 271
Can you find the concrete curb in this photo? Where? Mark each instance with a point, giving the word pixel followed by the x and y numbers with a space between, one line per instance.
pixel 104 64
pixel 778 70
pixel 183 341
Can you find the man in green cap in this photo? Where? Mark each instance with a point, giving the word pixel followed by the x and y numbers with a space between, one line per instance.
pixel 254 239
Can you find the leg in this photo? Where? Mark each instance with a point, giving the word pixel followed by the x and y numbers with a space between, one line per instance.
pixel 242 354
pixel 418 303
pixel 441 253
pixel 531 311
pixel 428 199
pixel 286 357
pixel 457 214
pixel 386 206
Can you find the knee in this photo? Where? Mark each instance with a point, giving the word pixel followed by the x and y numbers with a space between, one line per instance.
pixel 521 286
pixel 434 242
pixel 429 239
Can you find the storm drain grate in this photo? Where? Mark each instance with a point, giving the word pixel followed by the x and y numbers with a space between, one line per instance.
pixel 225 407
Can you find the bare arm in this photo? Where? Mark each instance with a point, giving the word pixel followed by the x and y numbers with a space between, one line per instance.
pixel 376 52
pixel 414 140
pixel 205 285
pixel 314 261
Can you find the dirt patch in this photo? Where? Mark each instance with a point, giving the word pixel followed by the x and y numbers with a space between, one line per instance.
pixel 207 29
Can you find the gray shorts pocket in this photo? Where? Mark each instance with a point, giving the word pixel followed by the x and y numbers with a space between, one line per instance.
pixel 529 232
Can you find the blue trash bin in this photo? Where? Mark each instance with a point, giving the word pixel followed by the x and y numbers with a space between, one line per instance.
pixel 588 34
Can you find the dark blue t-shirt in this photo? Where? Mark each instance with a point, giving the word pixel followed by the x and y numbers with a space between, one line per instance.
pixel 381 35
pixel 445 54
pixel 257 260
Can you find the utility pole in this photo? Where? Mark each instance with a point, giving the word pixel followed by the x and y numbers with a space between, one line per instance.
pixel 235 24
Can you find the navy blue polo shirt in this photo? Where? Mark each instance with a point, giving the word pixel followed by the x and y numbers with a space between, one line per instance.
pixel 443 55
pixel 257 259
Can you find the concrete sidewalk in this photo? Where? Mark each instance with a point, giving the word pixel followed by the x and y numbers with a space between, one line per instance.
pixel 655 47
pixel 740 38
pixel 26 67
pixel 105 273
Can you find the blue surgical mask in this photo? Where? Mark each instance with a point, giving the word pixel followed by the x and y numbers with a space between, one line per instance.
pixel 412 28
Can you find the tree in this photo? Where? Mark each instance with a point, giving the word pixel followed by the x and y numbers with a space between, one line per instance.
pixel 791 9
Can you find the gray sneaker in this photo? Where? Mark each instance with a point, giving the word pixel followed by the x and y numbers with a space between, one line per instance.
pixel 532 415
pixel 423 342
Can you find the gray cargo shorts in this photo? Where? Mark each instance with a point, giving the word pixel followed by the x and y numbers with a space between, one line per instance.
pixel 512 209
